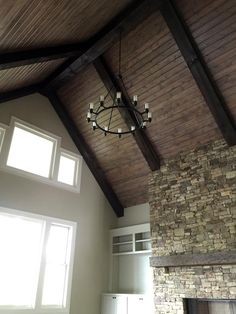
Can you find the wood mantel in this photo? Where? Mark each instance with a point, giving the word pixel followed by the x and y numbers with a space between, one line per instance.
pixel 216 258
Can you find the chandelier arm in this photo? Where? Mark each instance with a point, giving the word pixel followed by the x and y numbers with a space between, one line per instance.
pixel 109 91
pixel 110 118
pixel 113 132
pixel 98 108
pixel 130 109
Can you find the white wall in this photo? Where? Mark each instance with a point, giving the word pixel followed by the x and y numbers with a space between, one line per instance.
pixel 135 215
pixel 89 208
pixel 134 274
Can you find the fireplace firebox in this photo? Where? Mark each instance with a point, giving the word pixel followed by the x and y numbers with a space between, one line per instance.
pixel 209 306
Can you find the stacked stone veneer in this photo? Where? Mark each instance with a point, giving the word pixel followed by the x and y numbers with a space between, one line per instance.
pixel 193 210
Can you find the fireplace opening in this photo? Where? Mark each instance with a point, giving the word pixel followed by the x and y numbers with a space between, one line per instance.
pixel 209 306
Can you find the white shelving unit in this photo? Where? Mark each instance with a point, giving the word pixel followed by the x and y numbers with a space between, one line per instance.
pixel 131 240
pixel 130 273
pixel 130 249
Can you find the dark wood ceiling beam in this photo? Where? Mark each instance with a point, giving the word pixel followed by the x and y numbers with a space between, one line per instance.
pixel 20 92
pixel 113 84
pixel 86 152
pixel 127 20
pixel 21 58
pixel 199 70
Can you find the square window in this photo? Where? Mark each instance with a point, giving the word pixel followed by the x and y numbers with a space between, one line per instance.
pixel 68 169
pixel 31 151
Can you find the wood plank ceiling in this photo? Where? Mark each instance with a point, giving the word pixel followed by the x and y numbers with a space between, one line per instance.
pixel 19 77
pixel 30 24
pixel 42 23
pixel 152 67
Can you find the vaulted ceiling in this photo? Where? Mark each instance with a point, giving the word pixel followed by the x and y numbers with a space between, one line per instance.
pixel 183 65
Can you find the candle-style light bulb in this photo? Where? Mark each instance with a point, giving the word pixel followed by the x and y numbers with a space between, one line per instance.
pixel 118 96
pixel 146 107
pixel 91 106
pixel 88 116
pixel 149 116
pixel 132 128
pixel 106 129
pixel 101 99
pixel 144 124
pixel 94 126
pixel 135 100
pixel 119 132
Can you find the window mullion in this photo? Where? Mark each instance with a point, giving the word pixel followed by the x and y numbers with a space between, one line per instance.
pixel 54 167
pixel 2 134
pixel 38 304
pixel 68 262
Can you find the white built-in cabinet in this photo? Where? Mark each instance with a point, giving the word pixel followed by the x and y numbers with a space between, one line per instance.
pixel 126 304
pixel 114 304
pixel 130 249
pixel 139 304
pixel 130 288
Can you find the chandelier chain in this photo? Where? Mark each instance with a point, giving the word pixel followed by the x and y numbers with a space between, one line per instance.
pixel 119 73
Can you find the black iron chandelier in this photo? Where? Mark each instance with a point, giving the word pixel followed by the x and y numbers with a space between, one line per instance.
pixel 101 114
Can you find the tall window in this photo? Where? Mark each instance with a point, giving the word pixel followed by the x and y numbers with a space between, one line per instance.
pixel 36 263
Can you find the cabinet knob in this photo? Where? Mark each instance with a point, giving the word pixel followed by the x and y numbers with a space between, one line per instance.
pixel 113 297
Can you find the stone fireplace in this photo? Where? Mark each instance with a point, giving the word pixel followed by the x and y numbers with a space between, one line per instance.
pixel 193 225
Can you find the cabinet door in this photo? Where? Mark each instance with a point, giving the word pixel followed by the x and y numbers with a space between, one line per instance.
pixel 139 305
pixel 112 304
pixel 121 305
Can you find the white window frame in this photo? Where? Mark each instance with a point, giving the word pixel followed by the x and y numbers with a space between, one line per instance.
pixel 78 167
pixel 3 129
pixel 36 131
pixel 57 151
pixel 42 309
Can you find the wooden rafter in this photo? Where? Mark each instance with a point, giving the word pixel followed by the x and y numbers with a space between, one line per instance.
pixel 86 152
pixel 113 84
pixel 20 92
pixel 21 58
pixel 199 70
pixel 101 42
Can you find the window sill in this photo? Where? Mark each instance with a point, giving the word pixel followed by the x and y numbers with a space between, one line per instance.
pixel 37 178
pixel 34 311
